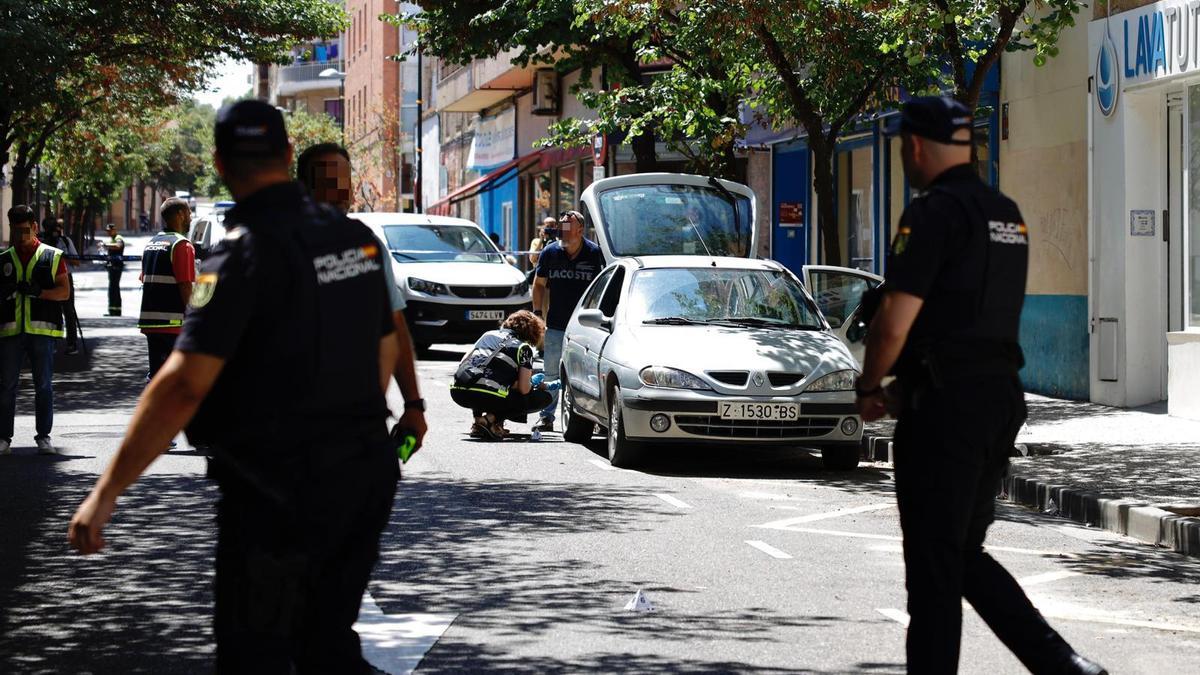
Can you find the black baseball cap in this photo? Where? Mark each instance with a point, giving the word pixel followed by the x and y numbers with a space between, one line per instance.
pixel 936 118
pixel 249 129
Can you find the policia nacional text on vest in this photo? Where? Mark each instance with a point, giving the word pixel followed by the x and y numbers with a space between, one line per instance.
pixel 21 313
pixel 162 306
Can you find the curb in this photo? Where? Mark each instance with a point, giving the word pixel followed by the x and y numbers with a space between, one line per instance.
pixel 1130 517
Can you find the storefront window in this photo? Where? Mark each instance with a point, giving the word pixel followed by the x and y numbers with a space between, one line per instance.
pixel 543 202
pixel 856 213
pixel 1192 274
pixel 566 188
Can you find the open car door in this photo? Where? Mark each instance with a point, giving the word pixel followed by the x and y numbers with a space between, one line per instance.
pixel 839 293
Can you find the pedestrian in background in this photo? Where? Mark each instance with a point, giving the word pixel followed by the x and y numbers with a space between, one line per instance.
pixel 564 271
pixel 324 170
pixel 55 236
pixel 114 262
pixel 947 327
pixel 495 380
pixel 281 369
pixel 546 235
pixel 168 272
pixel 33 284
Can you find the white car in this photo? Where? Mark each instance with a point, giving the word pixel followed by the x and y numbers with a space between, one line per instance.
pixel 457 284
pixel 689 349
pixel 207 230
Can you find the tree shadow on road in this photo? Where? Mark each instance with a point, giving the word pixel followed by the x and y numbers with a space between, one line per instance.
pixel 473 552
pixel 142 606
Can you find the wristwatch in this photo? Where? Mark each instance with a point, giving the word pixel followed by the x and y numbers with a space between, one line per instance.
pixel 415 404
pixel 864 393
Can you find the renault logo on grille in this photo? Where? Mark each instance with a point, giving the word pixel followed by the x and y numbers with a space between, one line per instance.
pixel 758 379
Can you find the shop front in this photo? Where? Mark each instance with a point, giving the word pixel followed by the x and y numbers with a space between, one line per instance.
pixel 1144 166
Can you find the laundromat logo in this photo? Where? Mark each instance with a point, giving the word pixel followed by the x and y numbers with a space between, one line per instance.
pixel 1108 76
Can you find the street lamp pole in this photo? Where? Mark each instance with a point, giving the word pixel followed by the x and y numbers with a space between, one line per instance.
pixel 334 72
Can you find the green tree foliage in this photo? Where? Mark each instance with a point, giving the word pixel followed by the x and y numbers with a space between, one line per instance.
pixel 62 57
pixel 960 41
pixel 534 32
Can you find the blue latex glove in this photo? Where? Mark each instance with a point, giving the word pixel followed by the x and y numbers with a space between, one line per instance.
pixel 537 380
pixel 553 385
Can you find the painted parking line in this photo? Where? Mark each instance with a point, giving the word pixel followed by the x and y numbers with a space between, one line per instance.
pixel 1046 578
pixel 678 503
pixel 790 523
pixel 603 465
pixel 899 616
pixel 769 549
pixel 396 643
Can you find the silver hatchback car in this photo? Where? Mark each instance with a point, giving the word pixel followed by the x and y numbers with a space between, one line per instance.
pixel 666 349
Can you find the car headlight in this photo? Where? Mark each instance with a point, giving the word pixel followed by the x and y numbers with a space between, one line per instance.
pixel 521 288
pixel 427 287
pixel 660 376
pixel 842 380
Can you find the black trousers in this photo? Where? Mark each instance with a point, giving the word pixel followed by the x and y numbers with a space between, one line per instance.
pixel 114 290
pixel 158 346
pixel 514 407
pixel 951 451
pixel 69 313
pixel 297 539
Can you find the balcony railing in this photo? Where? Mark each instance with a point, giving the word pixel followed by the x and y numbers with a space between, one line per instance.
pixel 303 72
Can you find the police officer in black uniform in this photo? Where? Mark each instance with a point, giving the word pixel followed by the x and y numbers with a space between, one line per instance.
pixel 947 328
pixel 281 369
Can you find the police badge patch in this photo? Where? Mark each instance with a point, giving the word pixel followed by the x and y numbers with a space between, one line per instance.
pixel 202 291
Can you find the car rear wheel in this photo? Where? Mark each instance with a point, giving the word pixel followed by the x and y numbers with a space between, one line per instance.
pixel 622 452
pixel 840 458
pixel 576 429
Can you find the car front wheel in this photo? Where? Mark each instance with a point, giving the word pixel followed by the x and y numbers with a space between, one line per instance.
pixel 840 457
pixel 622 452
pixel 576 429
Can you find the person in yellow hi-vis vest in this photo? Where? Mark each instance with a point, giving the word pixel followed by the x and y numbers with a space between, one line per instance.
pixel 33 283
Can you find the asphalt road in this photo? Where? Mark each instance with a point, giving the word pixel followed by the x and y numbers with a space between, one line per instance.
pixel 754 560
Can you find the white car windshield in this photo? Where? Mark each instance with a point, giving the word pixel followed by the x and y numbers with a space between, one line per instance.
pixel 440 243
pixel 720 296
pixel 675 220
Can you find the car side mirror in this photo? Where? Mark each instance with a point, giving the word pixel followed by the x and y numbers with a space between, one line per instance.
pixel 594 318
pixel 857 332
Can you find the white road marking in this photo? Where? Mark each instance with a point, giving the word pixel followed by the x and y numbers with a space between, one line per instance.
pixel 769 549
pixel 396 643
pixel 841 533
pixel 896 615
pixel 789 523
pixel 1053 609
pixel 678 503
pixel 1046 578
pixel 603 465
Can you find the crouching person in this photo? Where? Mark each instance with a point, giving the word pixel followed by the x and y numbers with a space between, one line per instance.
pixel 495 380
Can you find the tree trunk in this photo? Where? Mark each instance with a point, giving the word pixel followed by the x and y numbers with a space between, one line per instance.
pixel 20 184
pixel 822 168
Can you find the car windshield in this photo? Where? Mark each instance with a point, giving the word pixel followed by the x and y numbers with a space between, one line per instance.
pixel 675 220
pixel 440 243
pixel 720 296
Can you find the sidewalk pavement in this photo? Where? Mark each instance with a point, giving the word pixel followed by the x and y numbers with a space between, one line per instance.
pixel 1131 471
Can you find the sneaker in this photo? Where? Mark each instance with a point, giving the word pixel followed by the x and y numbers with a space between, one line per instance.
pixel 173 445
pixel 5 447
pixel 544 424
pixel 44 446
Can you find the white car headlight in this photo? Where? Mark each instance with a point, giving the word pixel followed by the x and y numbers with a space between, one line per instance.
pixel 521 288
pixel 427 287
pixel 842 380
pixel 661 376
